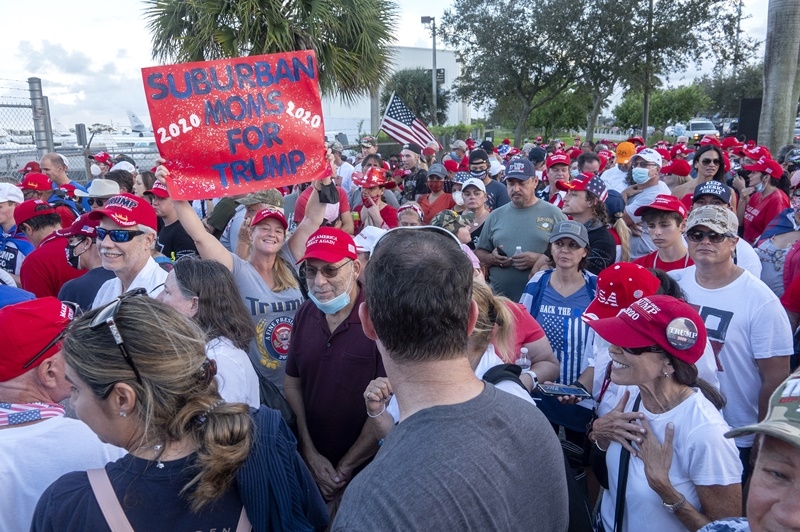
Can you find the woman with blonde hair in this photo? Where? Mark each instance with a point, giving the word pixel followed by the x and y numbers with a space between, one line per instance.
pixel 140 379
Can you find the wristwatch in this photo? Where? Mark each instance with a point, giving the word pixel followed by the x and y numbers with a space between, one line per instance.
pixel 672 508
pixel 533 376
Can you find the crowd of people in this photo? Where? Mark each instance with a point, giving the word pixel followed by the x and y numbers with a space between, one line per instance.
pixel 408 343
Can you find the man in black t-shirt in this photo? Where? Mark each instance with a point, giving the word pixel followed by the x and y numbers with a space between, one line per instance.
pixel 414 183
pixel 173 240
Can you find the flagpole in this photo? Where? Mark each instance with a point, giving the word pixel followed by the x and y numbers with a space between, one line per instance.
pixel 384 116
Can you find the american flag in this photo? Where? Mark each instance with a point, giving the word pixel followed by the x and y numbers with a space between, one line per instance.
pixel 401 124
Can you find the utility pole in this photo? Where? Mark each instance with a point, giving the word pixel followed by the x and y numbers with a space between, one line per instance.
pixel 432 22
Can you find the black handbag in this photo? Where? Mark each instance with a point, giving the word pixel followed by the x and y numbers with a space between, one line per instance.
pixel 622 480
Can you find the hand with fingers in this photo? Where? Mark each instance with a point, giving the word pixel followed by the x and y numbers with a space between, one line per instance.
pixel 619 426
pixel 377 396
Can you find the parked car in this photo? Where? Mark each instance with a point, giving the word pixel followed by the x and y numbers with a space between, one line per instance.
pixel 797 135
pixel 697 129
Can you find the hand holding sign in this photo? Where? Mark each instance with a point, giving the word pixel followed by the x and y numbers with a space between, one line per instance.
pixel 239 125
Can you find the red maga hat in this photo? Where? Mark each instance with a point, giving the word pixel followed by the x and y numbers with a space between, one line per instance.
pixel 128 210
pixel 330 245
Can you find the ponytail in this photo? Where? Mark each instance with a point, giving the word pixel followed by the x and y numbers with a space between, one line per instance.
pixel 495 322
pixel 624 234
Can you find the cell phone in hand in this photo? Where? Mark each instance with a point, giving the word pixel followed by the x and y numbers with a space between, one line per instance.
pixel 556 390
pixel 501 252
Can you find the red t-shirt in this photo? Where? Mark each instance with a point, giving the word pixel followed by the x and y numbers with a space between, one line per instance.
pixel 791 297
pixel 652 260
pixel 429 210
pixel 760 212
pixel 46 269
pixel 302 201
pixel 526 330
pixel 388 214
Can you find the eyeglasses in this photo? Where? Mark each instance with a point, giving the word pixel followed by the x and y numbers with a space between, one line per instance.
pixel 639 350
pixel 96 201
pixel 108 315
pixel 329 272
pixel 76 310
pixel 698 236
pixel 642 164
pixel 571 244
pixel 118 235
pixel 706 162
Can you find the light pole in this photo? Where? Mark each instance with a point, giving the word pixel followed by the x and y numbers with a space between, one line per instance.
pixel 432 22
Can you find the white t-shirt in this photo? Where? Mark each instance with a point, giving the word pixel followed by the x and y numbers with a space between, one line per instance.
pixel 487 361
pixel 706 370
pixel 701 456
pixel 614 178
pixel 150 277
pixel 34 456
pixel 745 322
pixel 236 378
pixel 346 173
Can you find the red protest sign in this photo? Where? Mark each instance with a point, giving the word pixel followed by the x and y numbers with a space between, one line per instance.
pixel 238 125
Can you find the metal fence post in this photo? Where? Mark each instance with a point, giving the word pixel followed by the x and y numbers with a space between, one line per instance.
pixel 41 118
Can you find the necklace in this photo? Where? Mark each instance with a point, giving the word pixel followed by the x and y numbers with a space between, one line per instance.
pixel 670 405
pixel 157 451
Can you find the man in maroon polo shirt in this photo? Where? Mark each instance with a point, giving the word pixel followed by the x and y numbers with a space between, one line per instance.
pixel 46 269
pixel 330 363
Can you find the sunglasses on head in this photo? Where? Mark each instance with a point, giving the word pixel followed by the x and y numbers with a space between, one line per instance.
pixel 96 201
pixel 76 311
pixel 118 235
pixel 108 316
pixel 694 235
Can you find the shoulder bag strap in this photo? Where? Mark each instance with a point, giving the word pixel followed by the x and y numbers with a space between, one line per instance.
pixel 107 499
pixel 244 523
pixel 622 478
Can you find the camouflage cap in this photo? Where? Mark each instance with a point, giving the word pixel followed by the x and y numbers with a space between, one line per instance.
pixel 337 146
pixel 270 197
pixel 716 217
pixel 449 220
pixel 783 416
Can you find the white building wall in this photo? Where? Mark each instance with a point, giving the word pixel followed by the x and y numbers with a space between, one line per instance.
pixel 343 118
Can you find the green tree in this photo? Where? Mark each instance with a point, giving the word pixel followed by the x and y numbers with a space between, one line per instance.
pixel 666 106
pixel 351 38
pixel 566 111
pixel 725 90
pixel 413 86
pixel 512 53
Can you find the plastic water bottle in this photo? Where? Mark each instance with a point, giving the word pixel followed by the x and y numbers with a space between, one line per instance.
pixel 518 250
pixel 523 361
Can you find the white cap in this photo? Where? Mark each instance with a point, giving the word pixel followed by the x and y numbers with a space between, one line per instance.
pixel 366 239
pixel 472 181
pixel 9 192
pixel 124 165
pixel 99 188
pixel 495 167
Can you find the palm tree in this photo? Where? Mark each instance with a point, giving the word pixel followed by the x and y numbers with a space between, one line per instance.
pixel 352 38
pixel 781 74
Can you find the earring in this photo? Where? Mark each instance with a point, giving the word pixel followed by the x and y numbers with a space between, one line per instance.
pixel 122 414
pixel 666 376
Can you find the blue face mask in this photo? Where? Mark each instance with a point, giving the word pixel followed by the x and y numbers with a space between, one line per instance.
pixel 640 175
pixel 334 305
pixel 479 174
pixel 574 172
pixel 454 156
pixel 760 187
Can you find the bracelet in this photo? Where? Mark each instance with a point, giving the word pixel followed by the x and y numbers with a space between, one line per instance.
pixel 597 444
pixel 379 414
pixel 672 508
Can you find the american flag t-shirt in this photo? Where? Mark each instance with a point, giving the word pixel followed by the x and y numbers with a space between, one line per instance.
pixel 19 413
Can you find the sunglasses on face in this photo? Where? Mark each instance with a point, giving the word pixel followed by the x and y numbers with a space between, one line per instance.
pixel 108 315
pixel 118 235
pixel 76 310
pixel 640 350
pixel 96 201
pixel 329 272
pixel 698 236
pixel 707 162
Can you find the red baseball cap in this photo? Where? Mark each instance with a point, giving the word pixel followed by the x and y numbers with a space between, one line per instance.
pixel 585 181
pixel 32 166
pixel 665 156
pixel 450 165
pixel 710 139
pixel 640 140
pixel 330 245
pixel 730 142
pixel 757 152
pixel 677 167
pixel 680 149
pixel 618 286
pixel 664 202
pixel 428 151
pixel 103 157
pixel 764 165
pixel 270 212
pixel 558 157
pixel 128 210
pixel 28 328
pixel 574 153
pixel 159 190
pixel 30 209
pixel 36 181
pixel 83 226
pixel 660 320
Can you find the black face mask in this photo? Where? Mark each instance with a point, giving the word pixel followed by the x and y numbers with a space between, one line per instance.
pixel 72 258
